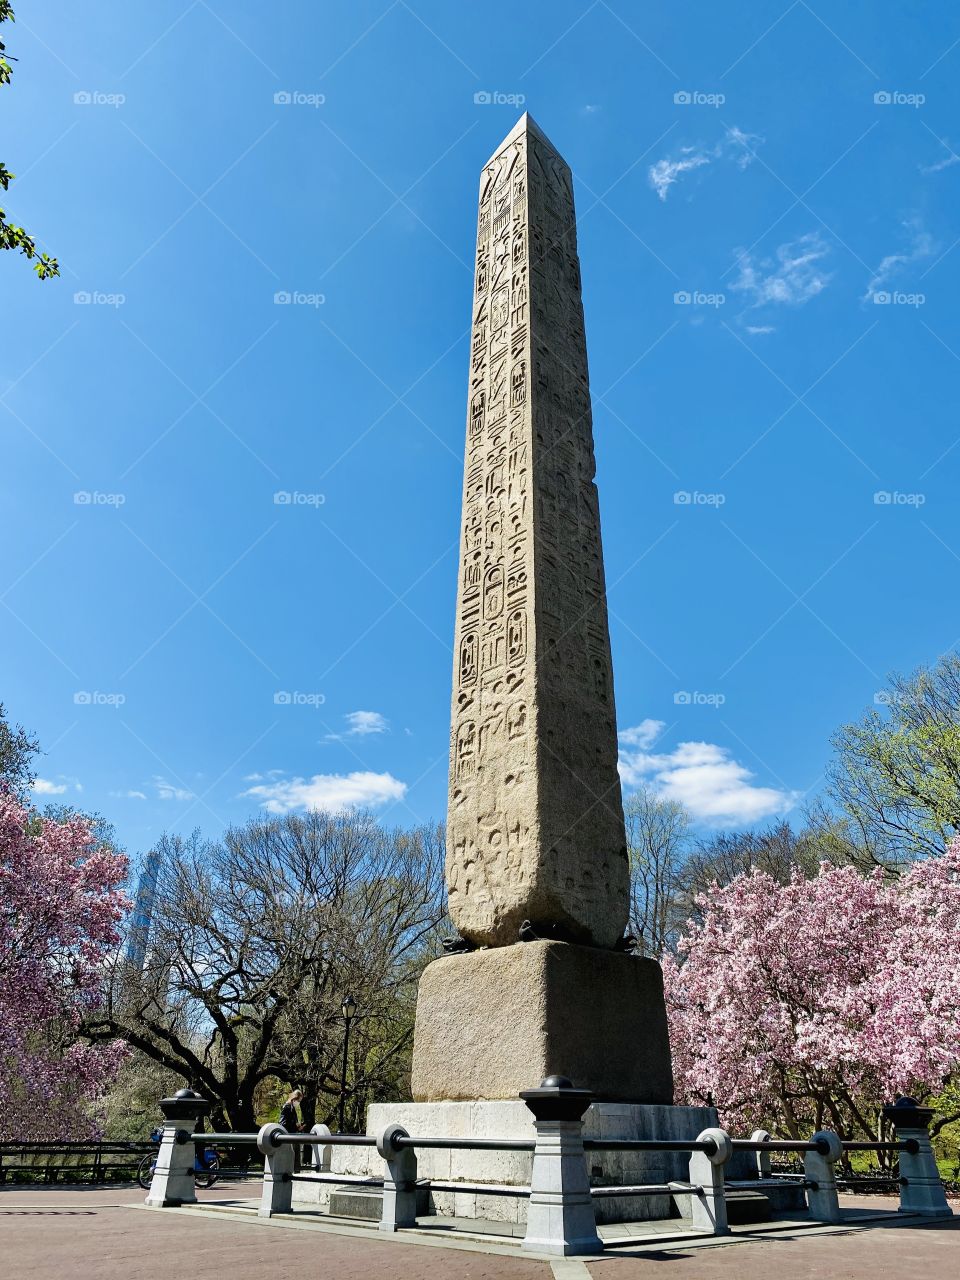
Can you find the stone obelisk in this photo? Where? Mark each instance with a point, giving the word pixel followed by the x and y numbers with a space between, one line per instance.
pixel 537 866
pixel 535 825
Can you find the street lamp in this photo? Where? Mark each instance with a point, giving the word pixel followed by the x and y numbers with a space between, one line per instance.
pixel 348 1007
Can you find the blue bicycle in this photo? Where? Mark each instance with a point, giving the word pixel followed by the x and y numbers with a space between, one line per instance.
pixel 206 1165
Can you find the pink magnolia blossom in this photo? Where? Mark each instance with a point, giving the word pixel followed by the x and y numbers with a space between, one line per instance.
pixel 60 905
pixel 817 1001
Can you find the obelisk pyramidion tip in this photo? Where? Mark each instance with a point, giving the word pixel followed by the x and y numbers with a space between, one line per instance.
pixel 525 125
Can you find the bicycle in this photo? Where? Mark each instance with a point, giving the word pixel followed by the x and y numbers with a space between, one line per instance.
pixel 206 1165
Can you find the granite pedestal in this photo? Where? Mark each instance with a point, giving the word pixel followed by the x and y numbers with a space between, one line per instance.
pixel 494 1022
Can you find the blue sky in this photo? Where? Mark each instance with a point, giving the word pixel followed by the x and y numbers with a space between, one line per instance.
pixel 766 201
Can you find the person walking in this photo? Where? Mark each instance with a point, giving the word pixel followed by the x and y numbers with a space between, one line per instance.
pixel 290 1119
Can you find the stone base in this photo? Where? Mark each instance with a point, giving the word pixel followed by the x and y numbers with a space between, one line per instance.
pixel 513 1168
pixel 366 1203
pixel 491 1023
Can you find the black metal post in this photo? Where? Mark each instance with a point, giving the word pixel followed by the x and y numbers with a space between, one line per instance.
pixel 348 1008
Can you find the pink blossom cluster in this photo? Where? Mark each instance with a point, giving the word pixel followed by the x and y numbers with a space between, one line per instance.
pixel 60 905
pixel 817 1001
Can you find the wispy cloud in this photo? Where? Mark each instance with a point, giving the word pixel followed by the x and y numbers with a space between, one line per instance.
pixel 920 244
pixel 360 724
pixel 761 328
pixel 129 795
pixel 735 145
pixel 740 147
pixel 949 160
pixel 793 276
pixel 714 787
pixel 169 791
pixel 331 792
pixel 665 172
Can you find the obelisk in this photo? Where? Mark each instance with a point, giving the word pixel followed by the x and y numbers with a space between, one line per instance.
pixel 537 864
pixel 535 825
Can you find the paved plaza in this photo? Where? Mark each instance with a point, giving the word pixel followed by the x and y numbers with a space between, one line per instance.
pixel 59 1233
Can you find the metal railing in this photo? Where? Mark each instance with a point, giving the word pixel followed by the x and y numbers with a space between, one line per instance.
pixel 560 1176
pixel 89 1162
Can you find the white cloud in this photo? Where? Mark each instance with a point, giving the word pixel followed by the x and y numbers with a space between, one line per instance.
pixel 360 724
pixel 761 328
pixel 44 787
pixel 332 792
pixel 921 245
pixel 168 791
pixel 716 789
pixel 791 277
pixel 735 145
pixel 129 795
pixel 363 722
pixel 643 734
pixel 591 108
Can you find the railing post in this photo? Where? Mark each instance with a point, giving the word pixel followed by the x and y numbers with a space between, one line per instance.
pixel 277 1195
pixel 321 1152
pixel 823 1202
pixel 172 1182
pixel 709 1208
pixel 921 1190
pixel 400 1180
pixel 763 1157
pixel 560 1213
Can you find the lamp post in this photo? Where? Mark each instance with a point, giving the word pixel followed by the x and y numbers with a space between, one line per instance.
pixel 348 1007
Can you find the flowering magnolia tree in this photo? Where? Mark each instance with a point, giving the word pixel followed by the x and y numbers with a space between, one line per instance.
pixel 812 1003
pixel 60 905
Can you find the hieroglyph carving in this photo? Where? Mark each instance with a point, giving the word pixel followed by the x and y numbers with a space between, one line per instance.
pixel 535 825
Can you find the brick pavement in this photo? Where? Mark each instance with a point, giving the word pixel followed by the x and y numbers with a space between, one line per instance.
pixel 55 1233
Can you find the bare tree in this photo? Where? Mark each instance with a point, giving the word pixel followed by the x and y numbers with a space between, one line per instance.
pixel 778 852
pixel 658 839
pixel 254 941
